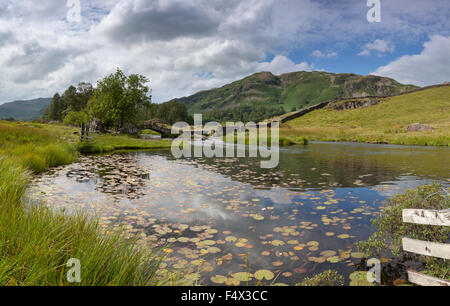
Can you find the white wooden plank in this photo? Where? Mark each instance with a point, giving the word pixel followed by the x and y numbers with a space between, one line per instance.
pixel 435 249
pixel 425 280
pixel 427 217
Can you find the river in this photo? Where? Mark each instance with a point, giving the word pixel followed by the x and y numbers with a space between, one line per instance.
pixel 222 216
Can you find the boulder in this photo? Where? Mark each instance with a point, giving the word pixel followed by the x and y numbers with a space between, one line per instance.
pixel 97 126
pixel 415 127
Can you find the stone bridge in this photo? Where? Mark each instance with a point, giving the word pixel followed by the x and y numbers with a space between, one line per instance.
pixel 157 126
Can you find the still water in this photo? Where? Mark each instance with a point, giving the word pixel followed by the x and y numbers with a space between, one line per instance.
pixel 222 217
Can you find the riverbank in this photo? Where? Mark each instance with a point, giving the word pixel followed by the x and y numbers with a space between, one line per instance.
pixel 386 122
pixel 37 243
pixel 104 143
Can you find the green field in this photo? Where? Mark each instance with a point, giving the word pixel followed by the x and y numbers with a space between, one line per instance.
pixel 385 122
pixel 37 242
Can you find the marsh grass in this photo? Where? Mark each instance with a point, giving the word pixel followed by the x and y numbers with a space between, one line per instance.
pixel 109 143
pixel 385 122
pixel 36 242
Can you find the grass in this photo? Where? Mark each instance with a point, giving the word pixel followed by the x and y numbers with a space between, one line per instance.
pixel 385 122
pixel 150 132
pixel 36 242
pixel 109 143
pixel 283 141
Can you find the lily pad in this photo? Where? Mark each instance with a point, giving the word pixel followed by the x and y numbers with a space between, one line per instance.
pixel 264 274
pixel 243 276
pixel 219 279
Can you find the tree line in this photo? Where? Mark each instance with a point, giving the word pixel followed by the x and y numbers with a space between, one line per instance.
pixel 245 113
pixel 117 101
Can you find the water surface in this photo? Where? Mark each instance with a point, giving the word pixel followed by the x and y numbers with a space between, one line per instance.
pixel 224 216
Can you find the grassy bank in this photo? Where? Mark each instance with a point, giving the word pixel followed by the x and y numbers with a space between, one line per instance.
pixel 282 141
pixel 35 242
pixel 385 122
pixel 109 143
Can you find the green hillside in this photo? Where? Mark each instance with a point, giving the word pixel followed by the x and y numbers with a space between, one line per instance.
pixel 386 122
pixel 24 110
pixel 264 95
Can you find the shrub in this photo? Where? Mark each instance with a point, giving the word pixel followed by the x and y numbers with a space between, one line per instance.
pixel 391 228
pixel 326 278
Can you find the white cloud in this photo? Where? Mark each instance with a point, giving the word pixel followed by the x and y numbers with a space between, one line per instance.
pixel 320 54
pixel 281 64
pixel 379 47
pixel 431 66
pixel 186 46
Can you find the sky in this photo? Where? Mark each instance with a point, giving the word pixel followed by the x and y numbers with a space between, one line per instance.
pixel 184 46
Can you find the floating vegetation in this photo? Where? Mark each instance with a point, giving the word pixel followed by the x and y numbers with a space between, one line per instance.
pixel 224 221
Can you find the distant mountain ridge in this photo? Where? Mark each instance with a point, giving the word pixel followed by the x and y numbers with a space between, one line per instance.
pixel 24 109
pixel 285 93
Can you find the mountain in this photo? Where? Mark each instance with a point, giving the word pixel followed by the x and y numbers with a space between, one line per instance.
pixel 264 95
pixel 25 109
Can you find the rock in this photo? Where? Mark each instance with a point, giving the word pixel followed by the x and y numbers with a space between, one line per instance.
pixel 96 125
pixel 353 103
pixel 415 127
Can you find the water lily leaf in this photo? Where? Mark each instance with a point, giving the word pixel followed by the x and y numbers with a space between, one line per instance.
pixel 197 262
pixel 219 279
pixel 277 263
pixel 299 247
pixel 213 250
pixel 232 282
pixel 300 270
pixel 343 236
pixel 313 243
pixel 277 242
pixel 328 253
pixel 333 259
pixel 230 239
pixel 243 276
pixel 264 274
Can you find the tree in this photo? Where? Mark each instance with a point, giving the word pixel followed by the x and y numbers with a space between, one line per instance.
pixel 170 112
pixel 54 110
pixel 120 100
pixel 76 118
pixel 74 99
pixel 69 100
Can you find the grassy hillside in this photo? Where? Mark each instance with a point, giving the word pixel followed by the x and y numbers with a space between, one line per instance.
pixel 385 122
pixel 264 95
pixel 24 110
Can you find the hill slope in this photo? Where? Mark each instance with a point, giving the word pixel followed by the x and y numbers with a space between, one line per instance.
pixel 24 110
pixel 264 95
pixel 385 122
